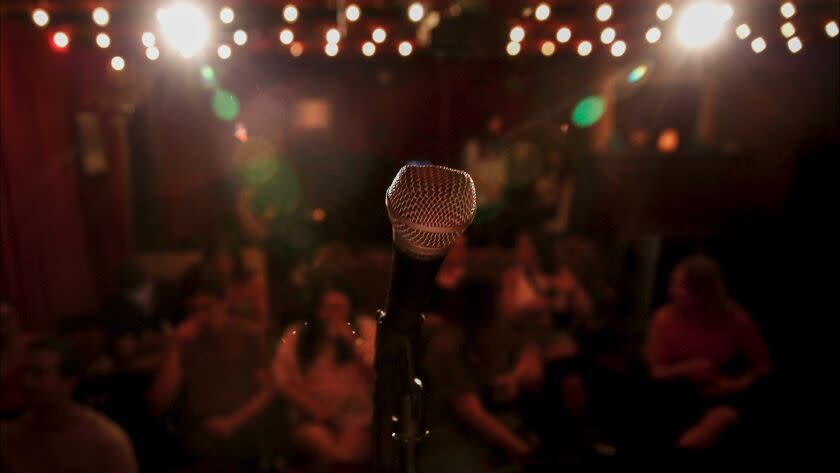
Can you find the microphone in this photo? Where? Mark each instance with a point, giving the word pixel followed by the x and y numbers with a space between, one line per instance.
pixel 429 208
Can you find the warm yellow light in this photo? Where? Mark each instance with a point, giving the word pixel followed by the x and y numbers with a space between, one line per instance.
pixel 794 45
pixel 517 34
pixel 40 17
pixel 513 48
pixel 668 141
pixel 101 16
pixel 542 12
pixel 618 48
pixel 118 63
pixel 700 24
pixel 664 11
pixel 742 31
pixel 758 44
pixel 787 9
pixel 788 30
pixel 148 39
pixel 226 15
pixel 331 49
pixel 607 35
pixel 831 29
pixel 368 48
pixel 653 35
pixel 547 48
pixel 296 49
pixel 152 53
pixel 103 40
pixel 286 36
pixel 352 12
pixel 184 27
pixel 333 35
pixel 379 35
pixel 416 12
pixel 224 51
pixel 584 48
pixel 240 37
pixel 564 34
pixel 290 13
pixel 405 48
pixel 604 12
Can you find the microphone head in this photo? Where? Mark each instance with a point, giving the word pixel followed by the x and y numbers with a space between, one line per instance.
pixel 429 207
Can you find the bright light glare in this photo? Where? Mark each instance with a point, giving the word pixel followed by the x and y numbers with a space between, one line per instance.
pixel 290 13
pixel 584 48
pixel 40 17
pixel 103 40
pixel 226 15
pixel 152 53
pixel 286 36
pixel 416 12
pixel 618 48
pixel 604 12
pixel 794 45
pixel 368 49
pixel 117 63
pixel 564 34
pixel 700 24
pixel 101 16
pixel 831 29
pixel 664 11
pixel 517 34
pixel 148 39
pixel 331 49
pixel 61 39
pixel 185 28
pixel 379 35
pixel 333 36
pixel 352 12
pixel 742 31
pixel 405 48
pixel 788 30
pixel 542 12
pixel 223 51
pixel 787 9
pixel 607 35
pixel 758 44
pixel 240 37
pixel 653 35
pixel 513 48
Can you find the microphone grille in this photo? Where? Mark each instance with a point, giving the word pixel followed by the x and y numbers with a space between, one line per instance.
pixel 429 207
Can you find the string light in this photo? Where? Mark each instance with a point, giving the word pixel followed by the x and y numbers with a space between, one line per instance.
pixel 290 13
pixel 405 48
pixel 117 63
pixel 368 48
pixel 152 53
pixel 286 36
pixel 103 40
pixel 604 12
pixel 542 12
pixel 743 31
pixel 40 17
pixel 185 28
pixel 61 40
pixel 547 48
pixel 331 49
pixel 240 37
pixel 700 24
pixel 787 9
pixel 379 35
pixel 226 15
pixel 831 29
pixel 101 16
pixel 564 34
pixel 333 36
pixel 618 48
pixel 513 48
pixel 788 30
pixel 584 48
pixel 224 51
pixel 758 45
pixel 653 34
pixel 794 45
pixel 416 12
pixel 352 12
pixel 664 11
pixel 296 49
pixel 148 39
pixel 517 34
pixel 607 35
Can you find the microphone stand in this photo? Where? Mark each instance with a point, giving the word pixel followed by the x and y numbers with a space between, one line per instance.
pixel 398 411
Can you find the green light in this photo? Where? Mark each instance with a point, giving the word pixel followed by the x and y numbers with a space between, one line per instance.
pixel 588 111
pixel 207 73
pixel 225 105
pixel 637 73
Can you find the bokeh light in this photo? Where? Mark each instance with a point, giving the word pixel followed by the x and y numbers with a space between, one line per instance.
pixel 787 9
pixel 668 141
pixel 333 35
pixel 61 40
pixel 226 15
pixel 700 24
pixel 743 31
pixel 542 12
pixel 185 28
pixel 224 51
pixel 148 39
pixel 286 36
pixel 331 49
pixel 240 37
pixel 101 16
pixel 584 48
pixel 637 74
pixel 607 35
pixel 794 44
pixel 405 48
pixel 296 49
pixel 758 44
pixel 664 11
pixel 117 63
pixel 318 215
pixel 240 132
pixel 547 48
pixel 653 35
pixel 564 34
pixel 152 53
pixel 831 29
pixel 379 35
pixel 517 34
pixel 290 13
pixel 208 75
pixel 368 48
pixel 352 12
pixel 225 105
pixel 604 12
pixel 416 12
pixel 103 40
pixel 588 111
pixel 40 17
pixel 513 48
pixel 788 30
pixel 618 48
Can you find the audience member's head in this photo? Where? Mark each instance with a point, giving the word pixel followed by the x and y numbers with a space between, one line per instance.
pixel 9 324
pixel 334 307
pixel 224 256
pixel 697 283
pixel 52 373
pixel 207 299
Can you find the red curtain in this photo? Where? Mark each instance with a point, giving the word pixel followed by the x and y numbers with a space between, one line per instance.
pixel 46 270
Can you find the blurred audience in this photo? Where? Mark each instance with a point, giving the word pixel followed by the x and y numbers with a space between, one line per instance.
pixel 214 371
pixel 324 369
pixel 13 347
pixel 707 350
pixel 56 434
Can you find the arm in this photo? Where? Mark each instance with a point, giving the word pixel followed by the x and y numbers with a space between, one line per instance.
pixel 468 406
pixel 168 381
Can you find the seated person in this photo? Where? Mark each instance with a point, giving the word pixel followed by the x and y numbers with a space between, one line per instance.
pixel 708 349
pixel 56 434
pixel 324 369
pixel 216 369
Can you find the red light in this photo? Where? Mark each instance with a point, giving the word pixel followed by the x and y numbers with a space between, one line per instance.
pixel 60 41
